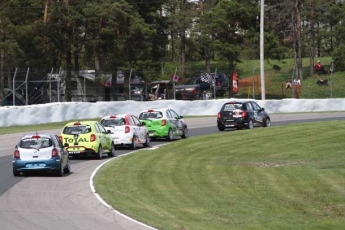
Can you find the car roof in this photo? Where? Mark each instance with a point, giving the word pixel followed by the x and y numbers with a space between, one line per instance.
pixel 162 81
pixel 29 135
pixel 81 123
pixel 159 110
pixel 239 101
pixel 117 116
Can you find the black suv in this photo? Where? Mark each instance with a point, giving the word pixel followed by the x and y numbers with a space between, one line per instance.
pixel 242 114
pixel 206 82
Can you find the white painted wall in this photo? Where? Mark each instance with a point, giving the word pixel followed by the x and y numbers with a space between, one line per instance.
pixel 64 111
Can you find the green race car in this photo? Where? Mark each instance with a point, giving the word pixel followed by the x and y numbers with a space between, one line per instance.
pixel 87 138
pixel 164 123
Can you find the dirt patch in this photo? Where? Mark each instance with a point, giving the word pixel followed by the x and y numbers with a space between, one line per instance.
pixel 248 81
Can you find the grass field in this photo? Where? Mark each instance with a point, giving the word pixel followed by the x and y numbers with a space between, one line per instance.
pixel 33 128
pixel 286 177
pixel 49 126
pixel 276 74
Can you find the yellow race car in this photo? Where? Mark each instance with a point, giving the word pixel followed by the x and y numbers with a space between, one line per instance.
pixel 83 138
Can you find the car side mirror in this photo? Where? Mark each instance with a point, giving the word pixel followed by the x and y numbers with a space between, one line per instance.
pixel 262 109
pixel 181 117
pixel 108 131
pixel 143 123
pixel 66 145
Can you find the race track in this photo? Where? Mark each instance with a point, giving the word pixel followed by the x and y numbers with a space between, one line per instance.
pixel 46 202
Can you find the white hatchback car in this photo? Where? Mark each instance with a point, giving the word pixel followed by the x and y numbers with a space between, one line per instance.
pixel 126 130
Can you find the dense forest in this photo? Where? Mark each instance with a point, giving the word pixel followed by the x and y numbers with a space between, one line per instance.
pixel 147 35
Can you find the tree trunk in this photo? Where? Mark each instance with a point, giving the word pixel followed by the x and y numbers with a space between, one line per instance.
pixel 299 42
pixel 68 80
pixel 113 88
pixel 312 36
pixel 318 41
pixel 172 33
pixel 2 96
pixel 98 84
pixel 2 64
pixel 182 52
pixel 207 61
pixel 296 19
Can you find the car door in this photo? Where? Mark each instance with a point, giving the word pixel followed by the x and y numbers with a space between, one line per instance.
pixel 134 127
pixel 177 120
pixel 141 130
pixel 63 151
pixel 105 138
pixel 259 113
pixel 171 119
pixel 250 112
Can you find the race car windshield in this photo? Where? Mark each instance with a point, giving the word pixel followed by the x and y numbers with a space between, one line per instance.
pixel 35 143
pixel 77 129
pixel 113 122
pixel 149 115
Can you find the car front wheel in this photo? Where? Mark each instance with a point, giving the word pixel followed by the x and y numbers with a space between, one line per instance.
pixel 59 173
pixel 267 122
pixel 134 142
pixel 147 142
pixel 185 133
pixel 67 169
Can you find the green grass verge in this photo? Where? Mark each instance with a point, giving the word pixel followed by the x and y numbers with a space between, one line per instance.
pixel 54 125
pixel 286 177
pixel 30 128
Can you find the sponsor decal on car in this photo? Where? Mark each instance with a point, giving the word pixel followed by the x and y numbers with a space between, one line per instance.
pixel 237 113
pixel 71 140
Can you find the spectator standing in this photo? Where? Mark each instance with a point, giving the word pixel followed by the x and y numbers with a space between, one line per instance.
pixel 288 84
pixel 205 95
pixel 319 68
pixel 297 84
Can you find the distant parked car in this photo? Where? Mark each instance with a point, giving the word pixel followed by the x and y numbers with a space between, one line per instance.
pixel 87 138
pixel 126 130
pixel 42 152
pixel 242 114
pixel 158 90
pixel 164 123
pixel 207 80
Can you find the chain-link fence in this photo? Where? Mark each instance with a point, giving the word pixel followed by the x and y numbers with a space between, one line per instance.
pixel 31 87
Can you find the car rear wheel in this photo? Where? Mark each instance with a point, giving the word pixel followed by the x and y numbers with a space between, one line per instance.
pixel 134 142
pixel 221 128
pixel 250 124
pixel 16 173
pixel 185 133
pixel 112 151
pixel 100 153
pixel 170 135
pixel 267 122
pixel 147 142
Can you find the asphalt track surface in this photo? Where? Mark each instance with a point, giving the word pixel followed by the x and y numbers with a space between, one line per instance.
pixel 37 202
